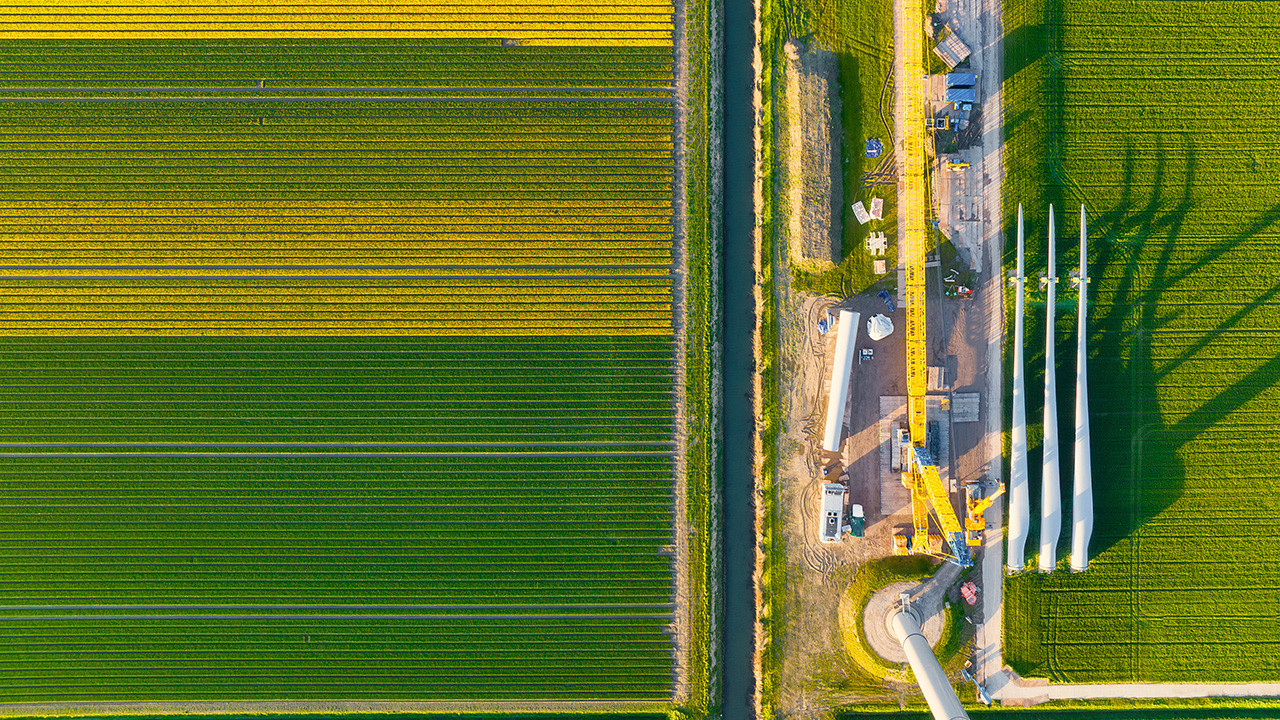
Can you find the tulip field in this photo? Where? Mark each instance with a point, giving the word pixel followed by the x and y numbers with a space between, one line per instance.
pixel 341 355
pixel 1163 136
pixel 215 519
pixel 320 188
pixel 532 22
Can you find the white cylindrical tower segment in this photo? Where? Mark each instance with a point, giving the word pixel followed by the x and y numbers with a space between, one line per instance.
pixel 937 689
pixel 1082 494
pixel 841 368
pixel 1019 493
pixel 1050 486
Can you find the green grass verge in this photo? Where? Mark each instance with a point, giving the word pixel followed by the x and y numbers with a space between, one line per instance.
pixel 860 33
pixel 702 336
pixel 871 577
pixel 774 21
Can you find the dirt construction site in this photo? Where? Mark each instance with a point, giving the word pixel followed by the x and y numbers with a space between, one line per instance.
pixel 815 666
pixel 963 341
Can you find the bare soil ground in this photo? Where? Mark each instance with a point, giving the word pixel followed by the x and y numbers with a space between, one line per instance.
pixel 813 177
pixel 816 673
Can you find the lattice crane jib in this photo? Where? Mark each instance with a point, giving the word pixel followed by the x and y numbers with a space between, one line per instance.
pixel 912 204
pixel 927 490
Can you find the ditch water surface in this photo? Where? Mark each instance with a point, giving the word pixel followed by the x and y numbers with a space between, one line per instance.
pixel 739 322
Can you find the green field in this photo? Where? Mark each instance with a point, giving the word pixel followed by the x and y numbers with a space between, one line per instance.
pixel 1155 116
pixel 347 370
pixel 213 519
pixel 860 34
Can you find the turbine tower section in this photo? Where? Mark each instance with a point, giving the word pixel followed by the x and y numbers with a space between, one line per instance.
pixel 1050 487
pixel 937 689
pixel 1082 493
pixel 1019 492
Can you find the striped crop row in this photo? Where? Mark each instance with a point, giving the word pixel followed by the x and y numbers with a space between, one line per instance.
pixel 430 164
pixel 336 518
pixel 598 22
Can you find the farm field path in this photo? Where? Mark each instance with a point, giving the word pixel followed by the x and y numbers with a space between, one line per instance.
pixel 1017 693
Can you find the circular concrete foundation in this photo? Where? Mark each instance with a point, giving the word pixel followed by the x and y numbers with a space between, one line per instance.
pixel 883 605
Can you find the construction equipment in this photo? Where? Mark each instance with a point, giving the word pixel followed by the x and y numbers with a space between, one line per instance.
pixel 901 544
pixel 929 498
pixel 983 696
pixel 857 525
pixel 974 522
pixel 942 122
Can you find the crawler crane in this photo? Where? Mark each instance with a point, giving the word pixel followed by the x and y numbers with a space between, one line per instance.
pixel 920 472
pixel 920 468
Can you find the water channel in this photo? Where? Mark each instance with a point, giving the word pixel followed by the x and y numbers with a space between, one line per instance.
pixel 739 321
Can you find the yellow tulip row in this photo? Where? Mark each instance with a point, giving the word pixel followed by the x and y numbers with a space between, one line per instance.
pixel 265 6
pixel 458 211
pixel 487 324
pixel 61 247
pixel 588 34
pixel 259 272
pixel 320 312
pixel 39 302
pixel 406 262
pixel 526 288
pixel 328 306
pixel 605 23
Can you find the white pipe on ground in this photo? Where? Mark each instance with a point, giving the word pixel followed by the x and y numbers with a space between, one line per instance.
pixel 1050 487
pixel 1082 495
pixel 1019 494
pixel 841 368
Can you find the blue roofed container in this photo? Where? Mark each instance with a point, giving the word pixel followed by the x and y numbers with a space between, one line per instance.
pixel 961 80
pixel 961 95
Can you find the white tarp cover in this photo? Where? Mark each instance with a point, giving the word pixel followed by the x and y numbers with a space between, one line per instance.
pixel 879 327
pixel 860 212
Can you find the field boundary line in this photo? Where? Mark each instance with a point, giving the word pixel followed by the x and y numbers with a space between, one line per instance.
pixel 333 616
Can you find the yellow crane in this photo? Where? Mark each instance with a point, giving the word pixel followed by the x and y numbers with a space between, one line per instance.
pixel 920 469
pixel 974 522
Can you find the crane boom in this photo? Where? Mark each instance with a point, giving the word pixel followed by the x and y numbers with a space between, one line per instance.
pixel 922 476
pixel 912 204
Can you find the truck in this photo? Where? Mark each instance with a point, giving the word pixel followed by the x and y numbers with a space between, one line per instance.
pixel 857 525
